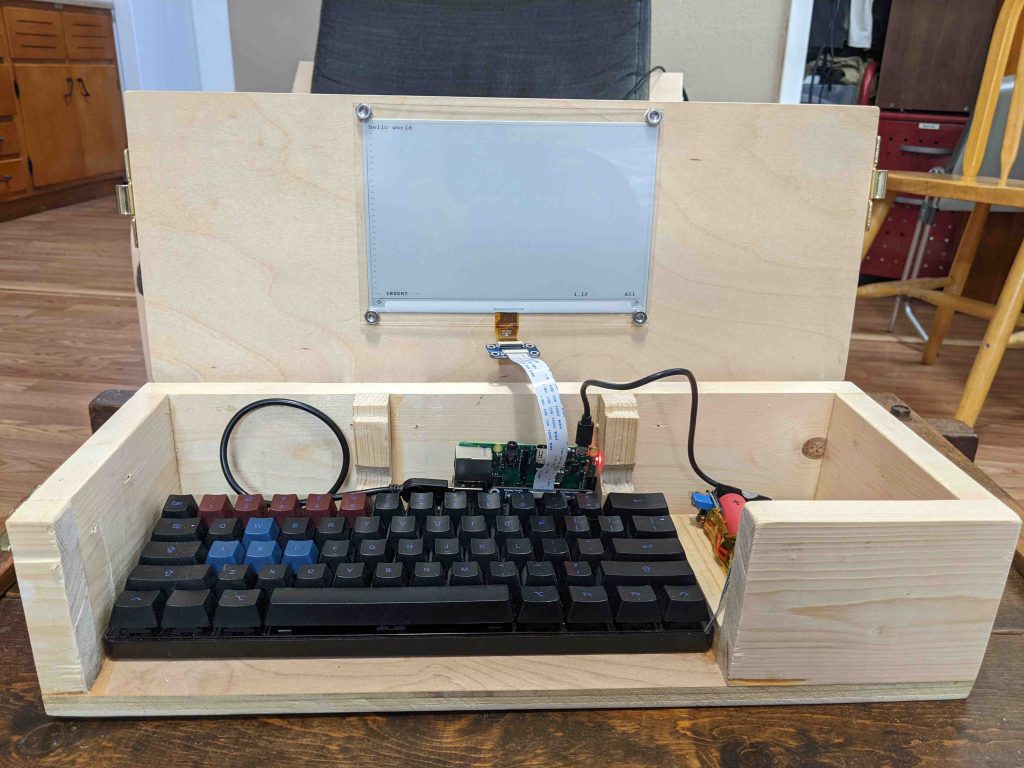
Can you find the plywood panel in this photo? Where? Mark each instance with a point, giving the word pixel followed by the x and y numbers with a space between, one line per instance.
pixel 250 244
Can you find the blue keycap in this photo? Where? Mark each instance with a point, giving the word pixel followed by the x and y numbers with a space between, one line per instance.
pixel 224 553
pixel 298 553
pixel 261 553
pixel 260 529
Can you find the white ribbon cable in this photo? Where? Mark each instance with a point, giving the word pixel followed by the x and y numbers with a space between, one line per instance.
pixel 552 414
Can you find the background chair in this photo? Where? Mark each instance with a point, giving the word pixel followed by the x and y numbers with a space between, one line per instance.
pixel 984 178
pixel 560 49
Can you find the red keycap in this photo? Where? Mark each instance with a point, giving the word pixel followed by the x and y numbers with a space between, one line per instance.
pixel 319 505
pixel 353 505
pixel 215 505
pixel 250 505
pixel 284 505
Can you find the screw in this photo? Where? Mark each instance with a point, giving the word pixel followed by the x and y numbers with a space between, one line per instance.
pixel 639 318
pixel 900 411
pixel 371 317
pixel 364 112
pixel 653 116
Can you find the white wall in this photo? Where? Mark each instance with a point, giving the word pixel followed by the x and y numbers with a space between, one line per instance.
pixel 728 50
pixel 176 45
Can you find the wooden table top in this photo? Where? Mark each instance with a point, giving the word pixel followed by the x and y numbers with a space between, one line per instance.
pixel 985 729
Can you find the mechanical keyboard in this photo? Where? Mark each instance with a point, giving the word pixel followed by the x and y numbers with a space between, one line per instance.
pixel 410 573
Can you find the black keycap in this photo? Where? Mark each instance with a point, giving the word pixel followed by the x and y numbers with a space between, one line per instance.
pixel 578 574
pixel 400 606
pixel 180 505
pixel 483 551
pixel 541 527
pixel 539 573
pixel 488 504
pixel 465 574
pixel 173 553
pixel 588 503
pixel 410 552
pixel 507 527
pixel 234 577
pixel 167 578
pixel 137 610
pixel 389 575
pixel 350 575
pixel 366 528
pixel 522 503
pixel 635 604
pixel 188 610
pixel 272 576
pixel 609 527
pixel 224 529
pixel 683 605
pixel 647 549
pixel 421 504
pixel 587 605
pixel 330 529
pixel 652 527
pixel 402 527
pixel 336 552
pixel 241 609
pixel 437 527
pixel 295 529
pixel 555 504
pixel 591 550
pixel 540 605
pixel 456 504
pixel 519 551
pixel 446 551
pixel 555 551
pixel 504 573
pixel 577 527
pixel 473 527
pixel 675 572
pixel 427 575
pixel 628 504
pixel 179 529
pixel 372 551
pixel 387 505
pixel 309 576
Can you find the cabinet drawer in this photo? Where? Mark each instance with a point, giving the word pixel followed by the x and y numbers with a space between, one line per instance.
pixel 13 176
pixel 34 34
pixel 89 36
pixel 10 142
pixel 8 104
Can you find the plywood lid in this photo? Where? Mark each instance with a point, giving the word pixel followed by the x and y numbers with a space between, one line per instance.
pixel 249 222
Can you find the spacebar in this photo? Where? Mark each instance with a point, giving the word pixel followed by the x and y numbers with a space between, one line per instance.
pixel 362 607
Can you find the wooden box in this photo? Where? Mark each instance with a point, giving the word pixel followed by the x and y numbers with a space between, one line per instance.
pixel 873 574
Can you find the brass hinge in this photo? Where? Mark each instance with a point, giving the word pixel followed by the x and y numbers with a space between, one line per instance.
pixel 879 183
pixel 126 198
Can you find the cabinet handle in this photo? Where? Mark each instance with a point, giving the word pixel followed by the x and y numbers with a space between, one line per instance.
pixel 85 91
pixel 915 149
pixel 71 88
pixel 3 139
pixel 6 178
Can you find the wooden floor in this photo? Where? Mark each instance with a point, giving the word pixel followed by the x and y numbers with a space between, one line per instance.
pixel 68 330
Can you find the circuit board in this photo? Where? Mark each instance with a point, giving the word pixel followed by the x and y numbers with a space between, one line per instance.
pixel 514 465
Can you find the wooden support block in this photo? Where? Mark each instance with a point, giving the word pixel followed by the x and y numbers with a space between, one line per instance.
pixel 106 404
pixel 618 420
pixel 371 422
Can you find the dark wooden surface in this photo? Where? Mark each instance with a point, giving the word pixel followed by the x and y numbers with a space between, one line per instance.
pixel 935 53
pixel 987 729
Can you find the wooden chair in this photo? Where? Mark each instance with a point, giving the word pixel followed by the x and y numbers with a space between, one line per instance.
pixel 984 192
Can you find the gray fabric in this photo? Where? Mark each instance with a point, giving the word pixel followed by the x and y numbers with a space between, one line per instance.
pixel 583 49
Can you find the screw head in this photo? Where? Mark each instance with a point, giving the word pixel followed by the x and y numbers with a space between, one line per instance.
pixel 371 317
pixel 364 112
pixel 639 318
pixel 653 116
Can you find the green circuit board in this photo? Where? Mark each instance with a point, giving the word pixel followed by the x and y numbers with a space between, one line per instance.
pixel 514 465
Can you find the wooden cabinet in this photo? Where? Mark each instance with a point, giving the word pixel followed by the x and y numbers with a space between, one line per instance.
pixel 97 100
pixel 61 114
